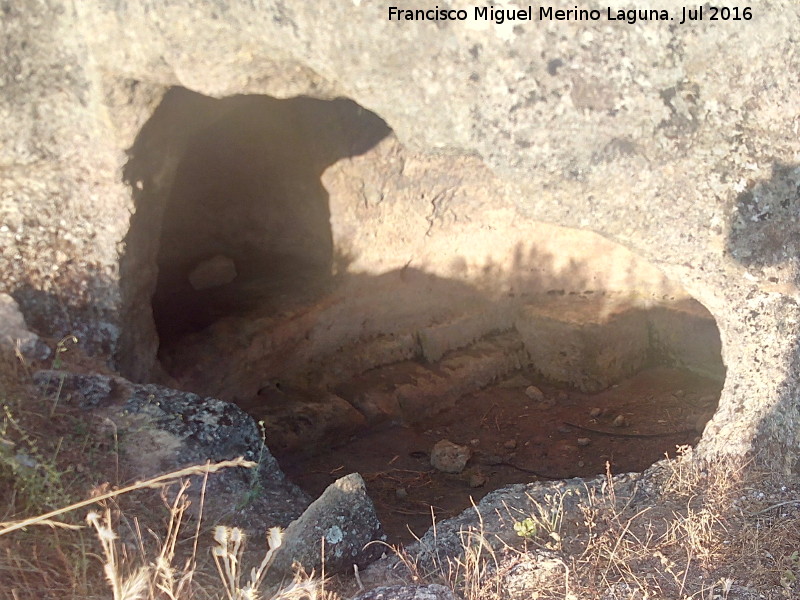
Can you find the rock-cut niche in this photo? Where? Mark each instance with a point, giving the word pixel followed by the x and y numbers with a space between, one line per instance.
pixel 230 213
pixel 541 352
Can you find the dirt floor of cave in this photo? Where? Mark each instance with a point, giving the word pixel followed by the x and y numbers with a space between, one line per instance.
pixel 662 408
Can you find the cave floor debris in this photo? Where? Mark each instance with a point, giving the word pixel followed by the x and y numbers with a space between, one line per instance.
pixel 511 435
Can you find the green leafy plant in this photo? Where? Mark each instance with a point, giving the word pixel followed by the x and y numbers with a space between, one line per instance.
pixel 544 523
pixel 526 528
pixel 256 486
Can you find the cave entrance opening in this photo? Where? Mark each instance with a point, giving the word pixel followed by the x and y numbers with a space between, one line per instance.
pixel 276 275
pixel 231 216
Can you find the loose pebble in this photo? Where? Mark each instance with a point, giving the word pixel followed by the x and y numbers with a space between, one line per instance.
pixel 620 421
pixel 583 441
pixel 449 457
pixel 595 412
pixel 534 393
pixel 510 444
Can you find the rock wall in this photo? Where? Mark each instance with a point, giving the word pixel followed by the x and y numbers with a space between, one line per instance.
pixel 676 141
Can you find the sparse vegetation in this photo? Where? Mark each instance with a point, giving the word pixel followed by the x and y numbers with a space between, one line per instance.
pixel 256 487
pixel 697 534
pixel 144 544
pixel 544 525
pixel 699 531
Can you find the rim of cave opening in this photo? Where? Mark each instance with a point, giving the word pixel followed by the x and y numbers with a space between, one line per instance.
pixel 578 353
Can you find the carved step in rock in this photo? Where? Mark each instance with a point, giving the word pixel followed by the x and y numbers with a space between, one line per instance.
pixel 437 340
pixel 412 392
pixel 586 343
pixel 357 358
pixel 431 343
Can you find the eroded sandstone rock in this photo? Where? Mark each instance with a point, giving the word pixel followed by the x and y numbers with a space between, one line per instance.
pixel 163 429
pixel 335 530
pixel 449 457
pixel 14 333
pixel 689 161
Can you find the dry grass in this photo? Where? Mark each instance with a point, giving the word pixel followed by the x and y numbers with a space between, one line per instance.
pixel 471 574
pixel 700 532
pixel 161 575
pixel 136 541
pixel 150 569
pixel 703 533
